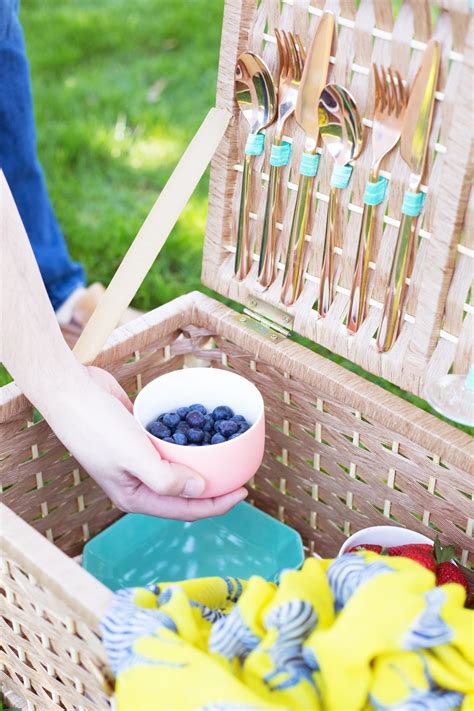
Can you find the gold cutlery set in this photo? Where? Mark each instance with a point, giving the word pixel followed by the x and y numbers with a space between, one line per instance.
pixel 329 117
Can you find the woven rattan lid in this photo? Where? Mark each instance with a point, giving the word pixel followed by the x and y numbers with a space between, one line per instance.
pixel 437 333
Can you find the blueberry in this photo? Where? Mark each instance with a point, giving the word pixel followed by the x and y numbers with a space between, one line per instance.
pixel 243 427
pixel 222 413
pixel 195 419
pixel 238 418
pixel 234 436
pixel 217 439
pixel 208 425
pixel 171 420
pixel 169 439
pixel 227 427
pixel 193 445
pixel 180 438
pixel 182 412
pixel 207 438
pixel 183 427
pixel 199 408
pixel 158 429
pixel 195 436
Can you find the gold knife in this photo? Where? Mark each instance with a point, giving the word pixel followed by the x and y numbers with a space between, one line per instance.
pixel 306 114
pixel 413 148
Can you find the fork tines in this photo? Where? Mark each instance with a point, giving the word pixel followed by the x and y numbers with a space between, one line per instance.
pixel 291 54
pixel 390 93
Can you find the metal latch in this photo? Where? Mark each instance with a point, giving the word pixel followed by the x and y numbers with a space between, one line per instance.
pixel 266 320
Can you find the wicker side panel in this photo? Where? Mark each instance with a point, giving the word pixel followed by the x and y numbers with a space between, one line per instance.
pixel 334 463
pixel 430 343
pixel 329 470
pixel 49 658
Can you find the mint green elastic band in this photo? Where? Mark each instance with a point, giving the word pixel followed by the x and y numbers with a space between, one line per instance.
pixel 280 155
pixel 413 203
pixel 375 192
pixel 309 164
pixel 255 144
pixel 341 175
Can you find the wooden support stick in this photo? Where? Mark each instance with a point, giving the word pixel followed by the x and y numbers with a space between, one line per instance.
pixel 152 235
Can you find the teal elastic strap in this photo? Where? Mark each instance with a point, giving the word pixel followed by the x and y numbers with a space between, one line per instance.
pixel 309 164
pixel 341 175
pixel 413 203
pixel 255 144
pixel 375 192
pixel 280 155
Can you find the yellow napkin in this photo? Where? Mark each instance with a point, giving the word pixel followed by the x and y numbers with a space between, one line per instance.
pixel 359 632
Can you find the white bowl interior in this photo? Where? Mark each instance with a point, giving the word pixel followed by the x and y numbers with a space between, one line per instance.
pixel 384 536
pixel 209 386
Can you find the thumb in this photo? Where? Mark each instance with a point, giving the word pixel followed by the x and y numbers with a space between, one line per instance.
pixel 167 478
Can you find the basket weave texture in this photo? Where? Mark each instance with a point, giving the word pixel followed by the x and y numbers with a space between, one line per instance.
pixel 437 336
pixel 341 454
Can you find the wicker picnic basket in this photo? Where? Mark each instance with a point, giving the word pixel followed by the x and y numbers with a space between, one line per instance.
pixel 341 453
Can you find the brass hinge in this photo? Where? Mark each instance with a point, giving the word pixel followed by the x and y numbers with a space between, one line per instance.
pixel 266 320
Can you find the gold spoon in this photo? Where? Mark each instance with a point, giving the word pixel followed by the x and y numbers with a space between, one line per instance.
pixel 340 126
pixel 256 96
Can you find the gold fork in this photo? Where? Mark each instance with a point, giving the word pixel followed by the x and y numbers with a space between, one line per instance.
pixel 390 104
pixel 291 57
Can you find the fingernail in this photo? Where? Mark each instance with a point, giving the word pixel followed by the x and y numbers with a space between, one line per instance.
pixel 194 488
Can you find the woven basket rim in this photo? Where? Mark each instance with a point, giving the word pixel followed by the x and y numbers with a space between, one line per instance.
pixel 403 417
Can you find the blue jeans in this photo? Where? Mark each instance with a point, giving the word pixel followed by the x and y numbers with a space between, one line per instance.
pixel 19 162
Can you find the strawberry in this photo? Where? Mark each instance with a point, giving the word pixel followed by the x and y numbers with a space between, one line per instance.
pixel 447 571
pixel 421 553
pixel 365 547
pixel 398 550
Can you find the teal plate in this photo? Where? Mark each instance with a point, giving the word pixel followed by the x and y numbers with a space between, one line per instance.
pixel 138 549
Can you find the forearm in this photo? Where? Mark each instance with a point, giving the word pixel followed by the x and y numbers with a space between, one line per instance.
pixel 86 407
pixel 31 345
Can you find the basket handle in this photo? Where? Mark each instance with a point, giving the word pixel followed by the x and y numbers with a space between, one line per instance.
pixel 152 235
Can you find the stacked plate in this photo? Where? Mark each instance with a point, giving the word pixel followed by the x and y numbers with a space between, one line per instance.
pixel 138 550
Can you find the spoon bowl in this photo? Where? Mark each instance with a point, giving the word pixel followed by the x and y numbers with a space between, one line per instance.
pixel 340 124
pixel 255 91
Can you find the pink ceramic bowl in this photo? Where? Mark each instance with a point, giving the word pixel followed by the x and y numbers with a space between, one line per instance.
pixel 224 466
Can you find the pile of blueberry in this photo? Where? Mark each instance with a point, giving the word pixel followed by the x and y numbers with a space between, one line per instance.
pixel 194 426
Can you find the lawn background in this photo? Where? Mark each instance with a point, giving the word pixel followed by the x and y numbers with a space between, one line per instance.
pixel 120 88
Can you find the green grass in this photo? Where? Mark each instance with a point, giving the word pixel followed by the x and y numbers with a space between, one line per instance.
pixel 120 88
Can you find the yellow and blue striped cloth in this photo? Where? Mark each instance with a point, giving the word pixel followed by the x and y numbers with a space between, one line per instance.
pixel 359 632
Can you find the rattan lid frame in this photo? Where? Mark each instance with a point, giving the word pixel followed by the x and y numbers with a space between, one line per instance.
pixel 437 335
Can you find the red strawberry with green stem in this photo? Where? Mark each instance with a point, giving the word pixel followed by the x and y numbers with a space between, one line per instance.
pixel 447 571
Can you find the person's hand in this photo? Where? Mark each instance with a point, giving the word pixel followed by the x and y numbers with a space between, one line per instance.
pixel 85 407
pixel 96 425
